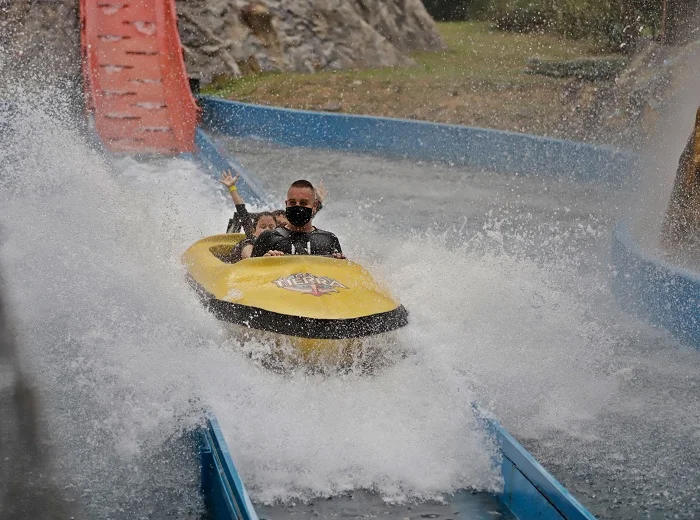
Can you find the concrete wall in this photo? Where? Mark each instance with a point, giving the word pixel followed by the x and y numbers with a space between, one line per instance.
pixel 663 293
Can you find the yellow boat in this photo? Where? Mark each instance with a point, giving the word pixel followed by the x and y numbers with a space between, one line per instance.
pixel 324 308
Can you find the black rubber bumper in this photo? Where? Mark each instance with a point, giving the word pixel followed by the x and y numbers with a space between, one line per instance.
pixel 286 324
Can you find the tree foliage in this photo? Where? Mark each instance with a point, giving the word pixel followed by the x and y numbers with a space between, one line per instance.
pixel 444 10
pixel 617 24
pixel 682 23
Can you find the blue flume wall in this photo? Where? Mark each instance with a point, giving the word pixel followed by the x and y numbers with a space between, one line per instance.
pixel 225 496
pixel 491 150
pixel 655 289
pixel 529 490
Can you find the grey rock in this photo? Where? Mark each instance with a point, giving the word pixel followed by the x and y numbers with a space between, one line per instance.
pixel 332 107
pixel 234 37
pixel 39 40
pixel 303 35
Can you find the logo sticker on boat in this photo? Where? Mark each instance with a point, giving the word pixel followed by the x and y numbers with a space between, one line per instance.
pixel 308 283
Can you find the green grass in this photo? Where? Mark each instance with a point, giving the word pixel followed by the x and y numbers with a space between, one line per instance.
pixel 477 51
pixel 476 54
pixel 479 80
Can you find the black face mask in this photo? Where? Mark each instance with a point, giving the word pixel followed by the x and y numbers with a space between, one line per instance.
pixel 299 215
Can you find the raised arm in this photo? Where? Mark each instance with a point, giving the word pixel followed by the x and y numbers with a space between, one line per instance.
pixel 244 218
pixel 321 194
pixel 230 181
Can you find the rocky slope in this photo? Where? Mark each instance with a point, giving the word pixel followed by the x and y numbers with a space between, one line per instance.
pixel 39 38
pixel 237 37
pixel 234 37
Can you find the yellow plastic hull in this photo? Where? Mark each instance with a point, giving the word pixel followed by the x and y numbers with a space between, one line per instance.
pixel 316 307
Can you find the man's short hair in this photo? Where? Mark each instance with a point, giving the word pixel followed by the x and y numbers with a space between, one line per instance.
pixel 301 183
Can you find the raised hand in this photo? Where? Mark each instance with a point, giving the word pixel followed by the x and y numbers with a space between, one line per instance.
pixel 227 179
pixel 321 191
pixel 230 181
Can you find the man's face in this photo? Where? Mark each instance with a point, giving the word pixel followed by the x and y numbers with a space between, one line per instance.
pixel 301 197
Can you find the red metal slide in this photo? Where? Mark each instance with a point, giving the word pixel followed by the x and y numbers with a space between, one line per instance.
pixel 135 79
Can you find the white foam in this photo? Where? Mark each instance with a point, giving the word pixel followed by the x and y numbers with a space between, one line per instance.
pixel 124 354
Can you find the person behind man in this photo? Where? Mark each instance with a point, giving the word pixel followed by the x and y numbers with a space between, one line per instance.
pixel 300 237
pixel 281 217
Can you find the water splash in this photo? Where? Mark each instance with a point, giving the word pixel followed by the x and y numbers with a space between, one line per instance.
pixel 649 203
pixel 506 280
pixel 125 358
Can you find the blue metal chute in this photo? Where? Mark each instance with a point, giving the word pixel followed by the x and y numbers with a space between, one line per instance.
pixel 224 494
pixel 529 490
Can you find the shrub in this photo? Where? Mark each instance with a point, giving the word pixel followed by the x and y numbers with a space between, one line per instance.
pixel 616 24
pixel 444 10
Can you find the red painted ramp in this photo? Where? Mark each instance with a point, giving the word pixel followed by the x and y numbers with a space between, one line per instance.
pixel 135 78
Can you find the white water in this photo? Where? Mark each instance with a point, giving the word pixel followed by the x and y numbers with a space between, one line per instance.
pixel 514 315
pixel 109 332
pixel 511 290
pixel 124 357
pixel 667 139
pixel 505 287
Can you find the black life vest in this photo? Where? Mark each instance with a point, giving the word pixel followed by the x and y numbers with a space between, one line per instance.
pixel 316 242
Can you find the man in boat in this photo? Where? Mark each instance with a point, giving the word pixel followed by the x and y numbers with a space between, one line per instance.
pixel 300 236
